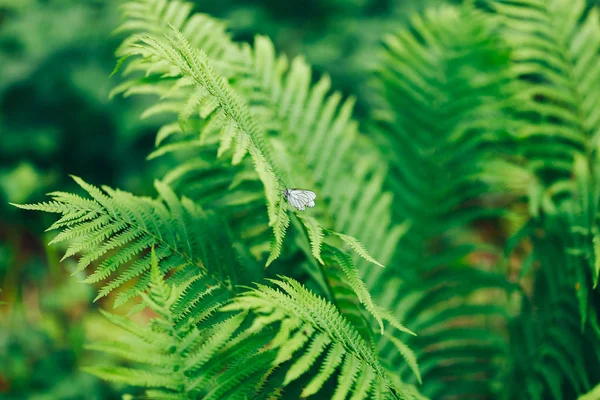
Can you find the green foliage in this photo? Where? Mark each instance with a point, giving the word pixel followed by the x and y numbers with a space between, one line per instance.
pixel 114 231
pixel 225 357
pixel 554 102
pixel 259 92
pixel 117 229
pixel 514 82
pixel 311 318
pixel 171 354
pixel 442 78
pixel 262 92
pixel 477 187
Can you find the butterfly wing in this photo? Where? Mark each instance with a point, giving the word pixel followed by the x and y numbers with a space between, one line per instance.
pixel 295 201
pixel 301 198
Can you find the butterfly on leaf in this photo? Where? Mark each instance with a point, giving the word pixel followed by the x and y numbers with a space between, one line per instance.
pixel 300 198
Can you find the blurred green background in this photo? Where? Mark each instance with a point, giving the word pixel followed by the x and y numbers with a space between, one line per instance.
pixel 56 119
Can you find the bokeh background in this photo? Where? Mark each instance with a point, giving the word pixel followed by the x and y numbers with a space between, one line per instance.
pixel 56 119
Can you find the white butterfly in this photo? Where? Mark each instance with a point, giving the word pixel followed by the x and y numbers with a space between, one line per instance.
pixel 300 198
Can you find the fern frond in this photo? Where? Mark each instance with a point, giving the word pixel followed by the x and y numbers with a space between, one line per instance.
pixel 554 100
pixel 114 232
pixel 133 377
pixel 315 234
pixel 193 64
pixel 557 51
pixel 262 77
pixel 358 247
pixel 171 352
pixel 440 86
pixel 296 306
pixel 240 117
pixel 563 248
pixel 154 18
pixel 320 128
pixel 444 82
pixel 408 355
pixel 230 353
pixel 346 264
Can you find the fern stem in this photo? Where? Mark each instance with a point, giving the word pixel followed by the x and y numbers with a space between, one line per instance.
pixel 328 287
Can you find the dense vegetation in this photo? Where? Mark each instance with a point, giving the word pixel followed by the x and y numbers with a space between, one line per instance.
pixel 453 252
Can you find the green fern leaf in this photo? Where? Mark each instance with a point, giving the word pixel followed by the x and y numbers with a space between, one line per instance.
pixel 408 355
pixel 300 367
pixel 363 385
pixel 315 234
pixel 345 262
pixel 357 247
pixel 332 360
pixel 118 230
pixel 346 379
pixel 133 377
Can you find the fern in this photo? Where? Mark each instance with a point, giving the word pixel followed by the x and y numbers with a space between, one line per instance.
pixel 241 125
pixel 486 120
pixel 169 354
pixel 441 113
pixel 114 231
pixel 557 56
pixel 227 357
pixel 262 81
pixel 235 114
pixel 564 94
pixel 300 309
pixel 554 101
pixel 195 65
pixel 230 118
pixel 428 85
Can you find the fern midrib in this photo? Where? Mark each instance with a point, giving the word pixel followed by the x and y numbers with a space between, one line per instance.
pixel 230 107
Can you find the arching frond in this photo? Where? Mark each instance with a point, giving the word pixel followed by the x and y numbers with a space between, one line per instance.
pixel 441 86
pixel 113 231
pixel 311 317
